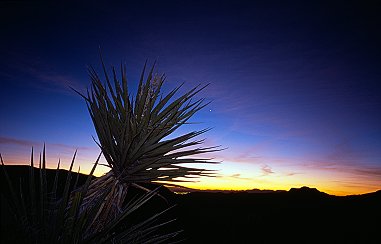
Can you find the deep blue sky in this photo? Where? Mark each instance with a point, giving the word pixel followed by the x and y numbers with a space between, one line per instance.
pixel 295 86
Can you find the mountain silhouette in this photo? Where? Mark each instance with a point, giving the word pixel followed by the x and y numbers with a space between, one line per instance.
pixel 300 215
pixel 306 190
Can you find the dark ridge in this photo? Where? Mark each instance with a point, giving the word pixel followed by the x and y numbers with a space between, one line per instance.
pixel 306 190
pixel 20 174
pixel 300 215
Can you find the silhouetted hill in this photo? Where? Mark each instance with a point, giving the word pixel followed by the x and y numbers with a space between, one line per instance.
pixel 307 191
pixel 300 215
pixel 19 174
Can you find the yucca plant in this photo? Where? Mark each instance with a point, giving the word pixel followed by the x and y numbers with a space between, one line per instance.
pixel 133 133
pixel 45 215
pixel 57 216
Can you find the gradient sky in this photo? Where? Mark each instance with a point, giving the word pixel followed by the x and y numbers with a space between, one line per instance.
pixel 295 87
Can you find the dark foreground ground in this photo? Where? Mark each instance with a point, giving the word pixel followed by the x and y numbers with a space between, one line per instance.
pixel 297 216
pixel 300 216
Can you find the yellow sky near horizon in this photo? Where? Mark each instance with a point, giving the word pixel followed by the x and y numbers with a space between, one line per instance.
pixel 230 178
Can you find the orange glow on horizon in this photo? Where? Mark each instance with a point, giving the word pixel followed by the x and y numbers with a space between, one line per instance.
pixel 335 183
pixel 229 183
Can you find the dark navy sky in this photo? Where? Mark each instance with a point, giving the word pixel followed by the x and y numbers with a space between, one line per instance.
pixel 295 86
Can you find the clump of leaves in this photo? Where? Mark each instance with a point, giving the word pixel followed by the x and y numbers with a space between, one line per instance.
pixel 133 133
